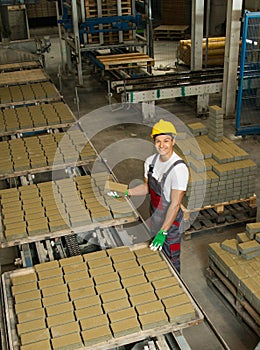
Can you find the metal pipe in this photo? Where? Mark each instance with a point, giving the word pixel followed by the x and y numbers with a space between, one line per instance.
pixel 60 36
pixel 207 32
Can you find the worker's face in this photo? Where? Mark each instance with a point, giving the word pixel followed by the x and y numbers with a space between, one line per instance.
pixel 164 145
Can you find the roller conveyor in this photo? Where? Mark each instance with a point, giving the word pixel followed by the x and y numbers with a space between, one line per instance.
pixel 168 80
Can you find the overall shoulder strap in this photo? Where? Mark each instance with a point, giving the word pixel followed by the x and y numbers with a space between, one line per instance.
pixel 179 161
pixel 151 166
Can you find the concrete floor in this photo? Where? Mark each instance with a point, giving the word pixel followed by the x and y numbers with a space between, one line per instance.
pixel 109 128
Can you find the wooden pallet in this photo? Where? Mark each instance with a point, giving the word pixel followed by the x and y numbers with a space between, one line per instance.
pixel 219 215
pixel 234 296
pixel 170 32
pixel 122 61
pixel 109 38
pixel 107 8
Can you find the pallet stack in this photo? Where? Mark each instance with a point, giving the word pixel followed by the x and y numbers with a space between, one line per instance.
pixel 221 169
pixel 216 50
pixel 41 9
pixel 221 187
pixel 174 12
pixel 234 271
pixel 107 8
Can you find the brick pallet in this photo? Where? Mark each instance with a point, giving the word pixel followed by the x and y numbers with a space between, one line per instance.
pixel 44 153
pixel 23 76
pixel 234 271
pixel 19 66
pixel 233 296
pixel 59 208
pixel 221 188
pixel 30 93
pixel 96 301
pixel 35 118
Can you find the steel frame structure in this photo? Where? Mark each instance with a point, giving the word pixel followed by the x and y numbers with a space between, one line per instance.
pixel 77 27
pixel 248 99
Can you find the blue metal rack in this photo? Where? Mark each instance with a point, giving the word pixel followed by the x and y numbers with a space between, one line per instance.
pixel 248 99
pixel 85 35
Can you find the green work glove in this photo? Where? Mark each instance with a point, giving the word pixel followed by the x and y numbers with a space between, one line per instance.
pixel 114 194
pixel 159 240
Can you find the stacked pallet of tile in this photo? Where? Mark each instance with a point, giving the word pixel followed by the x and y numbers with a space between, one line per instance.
pixel 108 8
pixel 33 117
pixel 28 92
pixel 42 8
pixel 235 262
pixel 49 150
pixel 65 204
pixel 19 65
pixel 216 50
pixel 97 300
pixel 22 76
pixel 220 171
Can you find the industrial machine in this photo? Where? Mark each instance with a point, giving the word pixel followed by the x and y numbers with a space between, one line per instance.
pixel 96 27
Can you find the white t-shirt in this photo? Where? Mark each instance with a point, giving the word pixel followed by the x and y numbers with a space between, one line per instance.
pixel 177 179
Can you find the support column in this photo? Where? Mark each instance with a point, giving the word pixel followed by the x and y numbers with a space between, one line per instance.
pixel 202 103
pixel 234 13
pixel 77 40
pixel 197 34
pixel 148 111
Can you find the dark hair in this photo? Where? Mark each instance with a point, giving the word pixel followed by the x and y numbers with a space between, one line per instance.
pixel 165 133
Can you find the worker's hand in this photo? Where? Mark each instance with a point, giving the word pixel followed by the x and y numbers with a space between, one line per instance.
pixel 114 194
pixel 158 240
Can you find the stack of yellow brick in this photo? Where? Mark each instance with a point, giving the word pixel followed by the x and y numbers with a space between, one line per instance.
pixel 220 171
pixel 59 205
pixel 238 259
pixel 98 297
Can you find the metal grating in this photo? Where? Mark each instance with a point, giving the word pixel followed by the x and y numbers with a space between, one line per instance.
pixel 248 100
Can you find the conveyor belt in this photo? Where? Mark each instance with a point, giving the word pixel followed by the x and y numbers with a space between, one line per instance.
pixel 169 80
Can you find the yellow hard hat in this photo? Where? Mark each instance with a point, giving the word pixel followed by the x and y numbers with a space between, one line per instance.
pixel 163 127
